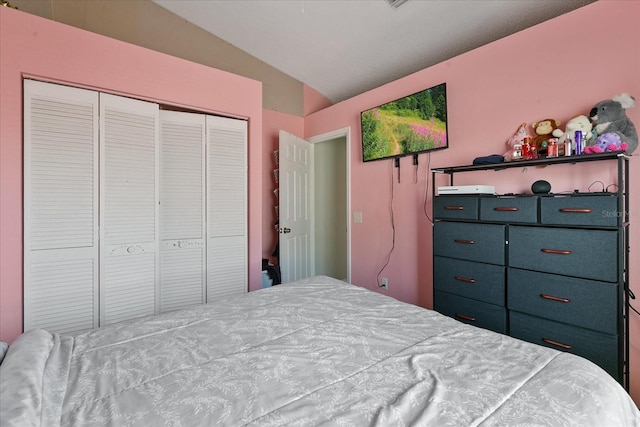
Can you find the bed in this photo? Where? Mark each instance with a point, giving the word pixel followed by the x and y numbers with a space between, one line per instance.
pixel 317 352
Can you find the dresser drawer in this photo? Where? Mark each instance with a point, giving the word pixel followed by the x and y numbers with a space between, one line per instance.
pixel 482 282
pixel 585 303
pixel 602 349
pixel 509 209
pixel 591 254
pixel 473 242
pixel 481 314
pixel 456 207
pixel 590 210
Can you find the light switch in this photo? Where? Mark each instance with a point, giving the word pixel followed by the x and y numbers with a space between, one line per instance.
pixel 357 217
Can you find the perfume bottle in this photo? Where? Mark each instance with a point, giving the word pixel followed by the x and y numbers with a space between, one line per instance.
pixel 568 146
pixel 578 142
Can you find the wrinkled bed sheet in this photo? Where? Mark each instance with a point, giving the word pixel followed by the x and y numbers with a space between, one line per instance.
pixel 318 352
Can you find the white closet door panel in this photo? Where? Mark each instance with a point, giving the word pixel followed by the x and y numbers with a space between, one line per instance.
pixel 129 178
pixel 182 209
pixel 182 277
pixel 182 175
pixel 129 287
pixel 62 292
pixel 60 163
pixel 226 267
pixel 227 176
pixel 226 207
pixel 129 208
pixel 60 207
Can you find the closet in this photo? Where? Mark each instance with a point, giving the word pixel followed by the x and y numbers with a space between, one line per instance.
pixel 129 210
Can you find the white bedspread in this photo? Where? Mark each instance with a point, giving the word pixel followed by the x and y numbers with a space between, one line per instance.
pixel 314 353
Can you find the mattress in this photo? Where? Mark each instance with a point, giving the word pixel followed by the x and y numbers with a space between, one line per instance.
pixel 317 352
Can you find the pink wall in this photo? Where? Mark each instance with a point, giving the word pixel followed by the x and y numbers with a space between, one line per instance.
pixel 491 90
pixel 32 46
pixel 273 122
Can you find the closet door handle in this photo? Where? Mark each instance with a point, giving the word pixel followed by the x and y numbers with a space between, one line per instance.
pixel 576 210
pixel 557 344
pixel 465 279
pixel 454 208
pixel 552 298
pixel 555 251
pixel 465 317
pixel 506 209
pixel 466 242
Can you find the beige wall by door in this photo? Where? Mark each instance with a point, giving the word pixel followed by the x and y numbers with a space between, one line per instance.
pixel 330 210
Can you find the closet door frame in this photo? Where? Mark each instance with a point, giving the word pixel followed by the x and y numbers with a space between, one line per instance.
pixel 224 200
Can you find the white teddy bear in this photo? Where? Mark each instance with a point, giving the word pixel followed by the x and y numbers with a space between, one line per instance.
pixel 580 122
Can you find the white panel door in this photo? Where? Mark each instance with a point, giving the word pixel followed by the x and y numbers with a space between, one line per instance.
pixel 226 207
pixel 129 210
pixel 296 232
pixel 182 210
pixel 60 207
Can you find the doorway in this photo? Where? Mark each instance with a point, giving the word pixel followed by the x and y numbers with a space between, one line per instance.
pixel 314 228
pixel 331 205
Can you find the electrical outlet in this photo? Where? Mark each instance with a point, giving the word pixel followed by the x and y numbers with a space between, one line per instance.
pixel 357 217
pixel 385 283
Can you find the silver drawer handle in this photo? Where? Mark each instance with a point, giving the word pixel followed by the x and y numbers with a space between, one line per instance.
pixel 465 279
pixel 454 208
pixel 506 209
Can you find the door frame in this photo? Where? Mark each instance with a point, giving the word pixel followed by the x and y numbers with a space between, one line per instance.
pixel 335 134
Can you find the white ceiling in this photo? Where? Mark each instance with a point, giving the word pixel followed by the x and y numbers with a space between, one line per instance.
pixel 342 48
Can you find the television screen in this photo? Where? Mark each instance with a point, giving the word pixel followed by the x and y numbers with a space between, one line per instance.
pixel 409 125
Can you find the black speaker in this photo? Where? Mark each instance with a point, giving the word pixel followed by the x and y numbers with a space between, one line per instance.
pixel 541 187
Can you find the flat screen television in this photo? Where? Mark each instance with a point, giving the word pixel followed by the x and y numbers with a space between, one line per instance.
pixel 412 124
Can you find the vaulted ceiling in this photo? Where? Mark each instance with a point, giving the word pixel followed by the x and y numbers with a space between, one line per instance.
pixel 345 47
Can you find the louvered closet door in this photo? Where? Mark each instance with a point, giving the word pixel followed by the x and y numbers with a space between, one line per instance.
pixel 60 207
pixel 129 208
pixel 182 210
pixel 226 207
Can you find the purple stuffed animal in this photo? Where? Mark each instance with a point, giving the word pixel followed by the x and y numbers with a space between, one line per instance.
pixel 605 143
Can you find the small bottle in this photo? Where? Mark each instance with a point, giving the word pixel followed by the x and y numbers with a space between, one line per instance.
pixel 542 151
pixel 567 147
pixel 578 140
pixel 517 152
pixel 552 149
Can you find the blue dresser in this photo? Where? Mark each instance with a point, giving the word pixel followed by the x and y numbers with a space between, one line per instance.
pixel 524 265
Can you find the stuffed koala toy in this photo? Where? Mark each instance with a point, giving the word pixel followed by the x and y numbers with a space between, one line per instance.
pixel 609 116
